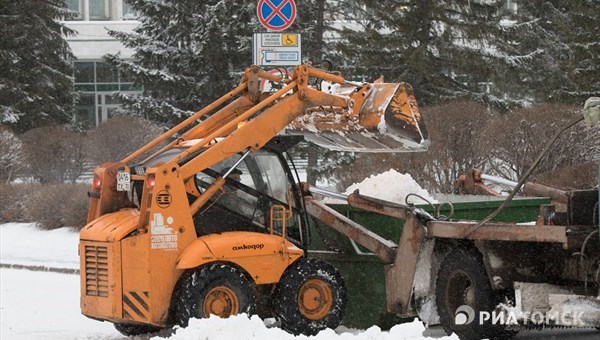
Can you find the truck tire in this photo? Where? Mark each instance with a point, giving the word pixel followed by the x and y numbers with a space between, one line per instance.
pixel 462 292
pixel 217 289
pixel 310 297
pixel 129 329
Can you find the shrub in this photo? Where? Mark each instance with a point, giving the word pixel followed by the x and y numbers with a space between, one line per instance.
pixel 58 205
pixel 53 154
pixel 13 199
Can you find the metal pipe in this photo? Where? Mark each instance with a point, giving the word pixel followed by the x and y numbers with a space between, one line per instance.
pixel 499 180
pixel 328 193
pixel 235 165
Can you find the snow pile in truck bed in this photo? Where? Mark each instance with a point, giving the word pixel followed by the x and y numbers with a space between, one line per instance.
pixel 242 327
pixel 391 186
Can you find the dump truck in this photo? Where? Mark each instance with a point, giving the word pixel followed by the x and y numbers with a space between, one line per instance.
pixel 482 279
pixel 207 218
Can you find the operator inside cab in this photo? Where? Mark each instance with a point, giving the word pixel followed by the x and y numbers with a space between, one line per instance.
pixel 232 197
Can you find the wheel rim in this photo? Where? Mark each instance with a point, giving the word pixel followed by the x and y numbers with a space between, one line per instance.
pixel 221 301
pixel 459 291
pixel 315 299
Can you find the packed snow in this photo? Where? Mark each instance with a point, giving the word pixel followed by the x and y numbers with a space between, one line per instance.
pixel 391 186
pixel 45 305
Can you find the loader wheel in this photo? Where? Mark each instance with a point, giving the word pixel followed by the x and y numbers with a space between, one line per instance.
pixel 217 289
pixel 462 292
pixel 129 329
pixel 310 297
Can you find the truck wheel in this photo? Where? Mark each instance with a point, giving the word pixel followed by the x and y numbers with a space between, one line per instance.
pixel 462 292
pixel 129 329
pixel 216 289
pixel 310 297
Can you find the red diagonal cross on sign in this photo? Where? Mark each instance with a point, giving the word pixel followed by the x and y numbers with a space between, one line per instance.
pixel 277 11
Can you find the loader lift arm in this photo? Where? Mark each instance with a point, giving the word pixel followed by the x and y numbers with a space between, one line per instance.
pixel 383 117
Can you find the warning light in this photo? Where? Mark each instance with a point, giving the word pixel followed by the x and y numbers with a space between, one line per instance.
pixel 96 182
pixel 150 181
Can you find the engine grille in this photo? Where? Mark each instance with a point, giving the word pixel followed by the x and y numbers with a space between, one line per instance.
pixel 96 270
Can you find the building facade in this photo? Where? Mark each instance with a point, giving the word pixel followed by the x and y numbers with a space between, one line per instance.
pixel 95 81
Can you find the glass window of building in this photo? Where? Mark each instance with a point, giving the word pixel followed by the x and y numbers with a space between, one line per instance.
pixel 75 6
pixel 105 73
pixel 99 9
pixel 128 12
pixel 97 83
pixel 85 110
pixel 84 72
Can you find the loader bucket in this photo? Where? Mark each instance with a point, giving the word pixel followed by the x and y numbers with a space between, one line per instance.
pixel 388 121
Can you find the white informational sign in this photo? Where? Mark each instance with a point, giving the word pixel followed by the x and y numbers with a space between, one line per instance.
pixel 276 49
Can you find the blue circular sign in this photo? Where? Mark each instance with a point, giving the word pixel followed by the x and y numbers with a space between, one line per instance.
pixel 276 15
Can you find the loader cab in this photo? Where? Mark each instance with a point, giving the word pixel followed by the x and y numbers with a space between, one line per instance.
pixel 244 203
pixel 261 181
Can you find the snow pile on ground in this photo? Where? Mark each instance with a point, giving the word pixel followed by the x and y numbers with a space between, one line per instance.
pixel 391 186
pixel 24 244
pixel 253 328
pixel 43 305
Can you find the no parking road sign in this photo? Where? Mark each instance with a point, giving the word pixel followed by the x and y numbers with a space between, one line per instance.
pixel 276 15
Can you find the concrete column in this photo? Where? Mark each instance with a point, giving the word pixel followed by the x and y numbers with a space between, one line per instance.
pixel 116 9
pixel 85 9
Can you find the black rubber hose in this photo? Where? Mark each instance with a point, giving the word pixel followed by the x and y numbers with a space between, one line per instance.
pixel 525 177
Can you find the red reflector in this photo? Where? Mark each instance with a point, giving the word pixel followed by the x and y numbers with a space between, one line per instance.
pixel 96 182
pixel 150 181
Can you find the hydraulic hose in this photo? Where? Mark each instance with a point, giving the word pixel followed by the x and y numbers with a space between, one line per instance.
pixel 525 177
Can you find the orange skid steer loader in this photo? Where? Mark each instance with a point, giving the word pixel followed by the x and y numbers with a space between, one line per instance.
pixel 207 218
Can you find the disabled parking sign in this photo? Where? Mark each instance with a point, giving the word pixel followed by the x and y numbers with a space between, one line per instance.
pixel 276 15
pixel 276 49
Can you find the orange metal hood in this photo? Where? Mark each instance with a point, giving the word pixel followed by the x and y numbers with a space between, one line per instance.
pixel 111 227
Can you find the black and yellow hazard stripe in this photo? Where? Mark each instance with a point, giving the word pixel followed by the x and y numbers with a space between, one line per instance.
pixel 136 306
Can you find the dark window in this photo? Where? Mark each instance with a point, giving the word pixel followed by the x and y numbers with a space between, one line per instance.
pixel 106 73
pixel 86 110
pixel 84 72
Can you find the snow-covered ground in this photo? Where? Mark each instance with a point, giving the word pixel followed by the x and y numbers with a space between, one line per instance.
pixel 45 305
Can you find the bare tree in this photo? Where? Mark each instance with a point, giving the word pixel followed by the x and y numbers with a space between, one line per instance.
pixel 118 137
pixel 513 140
pixel 11 158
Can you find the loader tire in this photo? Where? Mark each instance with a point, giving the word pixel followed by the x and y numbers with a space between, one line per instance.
pixel 217 289
pixel 129 329
pixel 462 292
pixel 311 296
